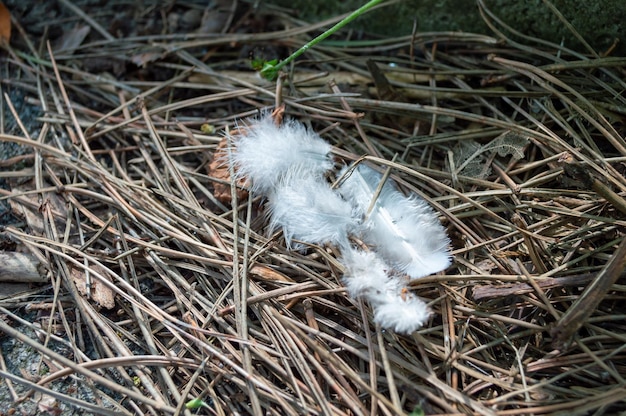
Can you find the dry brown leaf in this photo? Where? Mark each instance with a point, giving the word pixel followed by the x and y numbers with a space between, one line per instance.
pixel 5 24
pixel 144 58
pixel 266 273
pixel 98 292
pixel 72 39
pixel 218 169
pixel 47 404
pixel 486 266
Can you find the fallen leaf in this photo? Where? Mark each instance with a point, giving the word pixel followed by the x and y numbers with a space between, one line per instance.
pixel 5 24
pixel 48 405
pixel 218 169
pixel 144 58
pixel 485 266
pixel 98 291
pixel 72 39
pixel 266 273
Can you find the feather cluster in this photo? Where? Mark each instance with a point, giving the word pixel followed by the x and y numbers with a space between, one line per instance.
pixel 404 230
pixel 290 165
pixel 368 276
pixel 268 153
pixel 308 210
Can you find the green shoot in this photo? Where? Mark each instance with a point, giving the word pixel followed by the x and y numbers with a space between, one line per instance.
pixel 417 411
pixel 269 69
pixel 195 404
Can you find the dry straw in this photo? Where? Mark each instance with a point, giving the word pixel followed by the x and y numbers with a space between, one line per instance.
pixel 117 206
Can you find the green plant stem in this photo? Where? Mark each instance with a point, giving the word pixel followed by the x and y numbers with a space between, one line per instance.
pixel 271 71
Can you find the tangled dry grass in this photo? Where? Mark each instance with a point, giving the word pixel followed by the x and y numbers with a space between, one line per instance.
pixel 155 293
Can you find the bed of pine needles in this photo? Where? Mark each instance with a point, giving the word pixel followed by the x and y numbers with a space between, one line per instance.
pixel 156 293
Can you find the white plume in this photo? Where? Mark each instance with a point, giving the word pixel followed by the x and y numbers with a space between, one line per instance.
pixel 264 152
pixel 404 230
pixel 366 275
pixel 364 271
pixel 288 164
pixel 307 209
pixel 405 314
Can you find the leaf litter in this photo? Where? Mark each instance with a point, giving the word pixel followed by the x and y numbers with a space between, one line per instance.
pixel 209 306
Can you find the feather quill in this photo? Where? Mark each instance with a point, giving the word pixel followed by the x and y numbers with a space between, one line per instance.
pixel 265 152
pixel 404 230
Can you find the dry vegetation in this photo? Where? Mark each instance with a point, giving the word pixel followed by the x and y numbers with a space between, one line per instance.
pixel 155 293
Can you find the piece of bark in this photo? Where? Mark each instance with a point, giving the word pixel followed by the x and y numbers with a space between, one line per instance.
pixel 21 268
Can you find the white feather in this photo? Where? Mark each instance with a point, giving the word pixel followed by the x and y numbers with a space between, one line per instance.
pixel 288 163
pixel 404 314
pixel 367 276
pixel 364 271
pixel 404 230
pixel 307 209
pixel 265 152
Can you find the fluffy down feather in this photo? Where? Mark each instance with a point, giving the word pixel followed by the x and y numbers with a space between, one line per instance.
pixel 403 230
pixel 364 271
pixel 403 314
pixel 307 209
pixel 266 152
pixel 368 277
